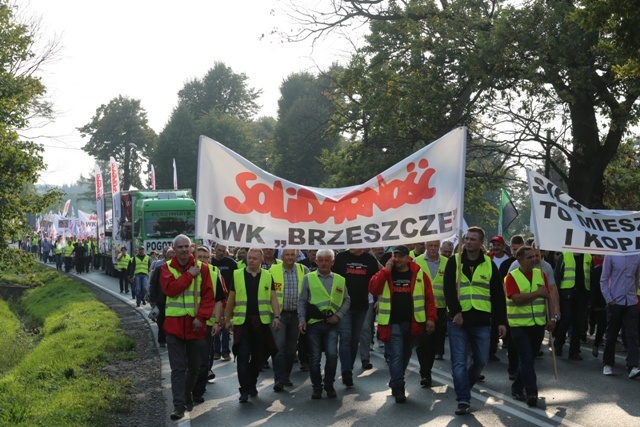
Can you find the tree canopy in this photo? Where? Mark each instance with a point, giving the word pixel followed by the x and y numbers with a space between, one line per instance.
pixel 21 161
pixel 121 129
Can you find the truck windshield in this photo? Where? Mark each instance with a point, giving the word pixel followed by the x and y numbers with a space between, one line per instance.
pixel 170 226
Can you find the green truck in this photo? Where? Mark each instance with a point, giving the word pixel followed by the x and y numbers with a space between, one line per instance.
pixel 149 218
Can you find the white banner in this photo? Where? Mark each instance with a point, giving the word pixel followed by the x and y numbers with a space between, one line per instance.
pixel 99 199
pixel 419 199
pixel 562 224
pixel 115 197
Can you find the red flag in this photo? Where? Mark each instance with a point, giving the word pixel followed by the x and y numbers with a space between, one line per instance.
pixel 153 178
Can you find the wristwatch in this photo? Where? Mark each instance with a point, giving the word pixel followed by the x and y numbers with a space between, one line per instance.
pixel 555 318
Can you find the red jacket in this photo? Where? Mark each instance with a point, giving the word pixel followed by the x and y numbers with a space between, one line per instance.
pixel 182 327
pixel 376 285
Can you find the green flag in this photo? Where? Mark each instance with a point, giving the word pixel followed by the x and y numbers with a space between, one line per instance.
pixel 508 212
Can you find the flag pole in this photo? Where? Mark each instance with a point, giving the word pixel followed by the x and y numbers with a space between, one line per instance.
pixel 460 247
pixel 553 347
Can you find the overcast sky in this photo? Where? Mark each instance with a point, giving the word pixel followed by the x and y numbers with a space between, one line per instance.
pixel 146 50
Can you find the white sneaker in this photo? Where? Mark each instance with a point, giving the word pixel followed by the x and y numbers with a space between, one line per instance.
pixel 608 370
pixel 634 372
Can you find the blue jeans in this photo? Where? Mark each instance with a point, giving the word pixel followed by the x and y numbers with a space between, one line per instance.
pixel 286 339
pixel 221 342
pixel 366 335
pixel 527 342
pixel 350 329
pixel 140 283
pixel 460 338
pixel 322 336
pixel 399 348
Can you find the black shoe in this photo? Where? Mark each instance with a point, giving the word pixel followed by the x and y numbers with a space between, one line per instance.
pixel 540 353
pixel 188 405
pixel 288 383
pixel 347 379
pixel 198 399
pixel 399 394
pixel 426 382
pixel 317 393
pixel 481 378
pixel 463 409
pixel 366 366
pixel 532 401
pixel 244 397
pixel 253 392
pixel 575 356
pixel 439 357
pixel 493 358
pixel 304 366
pixel 137 305
pixel 518 396
pixel 512 376
pixel 211 375
pixel 278 386
pixel 177 413
pixel 331 392
pixel 594 351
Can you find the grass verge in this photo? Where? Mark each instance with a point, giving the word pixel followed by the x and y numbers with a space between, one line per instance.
pixel 61 381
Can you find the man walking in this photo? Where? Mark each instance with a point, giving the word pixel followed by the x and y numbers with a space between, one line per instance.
pixel 407 310
pixel 471 306
pixel 252 299
pixel 323 303
pixel 226 265
pixel 357 267
pixel 123 259
pixel 190 303
pixel 140 265
pixel 287 278
pixel 619 281
pixel 528 296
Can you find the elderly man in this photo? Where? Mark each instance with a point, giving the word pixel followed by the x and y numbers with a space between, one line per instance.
pixel 528 296
pixel 323 303
pixel 287 277
pixel 252 299
pixel 190 303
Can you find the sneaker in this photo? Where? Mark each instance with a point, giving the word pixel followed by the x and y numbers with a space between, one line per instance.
pixel 216 356
pixel 607 370
pixel 532 401
pixel 226 356
pixel 331 392
pixel 278 386
pixel 177 413
pixel 317 393
pixel 366 366
pixel 463 409
pixel 211 375
pixel 347 379
pixel 634 373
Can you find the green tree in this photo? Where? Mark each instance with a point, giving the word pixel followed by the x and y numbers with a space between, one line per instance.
pixel 262 151
pixel 121 129
pixel 178 140
pixel 21 93
pixel 622 178
pixel 526 67
pixel 303 129
pixel 220 90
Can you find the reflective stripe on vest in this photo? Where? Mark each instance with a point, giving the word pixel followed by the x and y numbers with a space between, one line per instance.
pixel 477 292
pixel 142 265
pixel 68 249
pixel 437 283
pixel 213 272
pixel 184 304
pixel 528 314
pixel 264 297
pixel 320 297
pixel 123 262
pixel 384 307
pixel 569 276
pixel 277 272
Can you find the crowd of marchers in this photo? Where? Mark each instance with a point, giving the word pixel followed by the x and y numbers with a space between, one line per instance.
pixel 287 306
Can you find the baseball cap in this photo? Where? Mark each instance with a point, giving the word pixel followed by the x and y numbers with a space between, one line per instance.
pixel 498 239
pixel 401 249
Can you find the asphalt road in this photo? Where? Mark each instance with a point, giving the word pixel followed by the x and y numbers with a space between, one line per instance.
pixel 581 396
